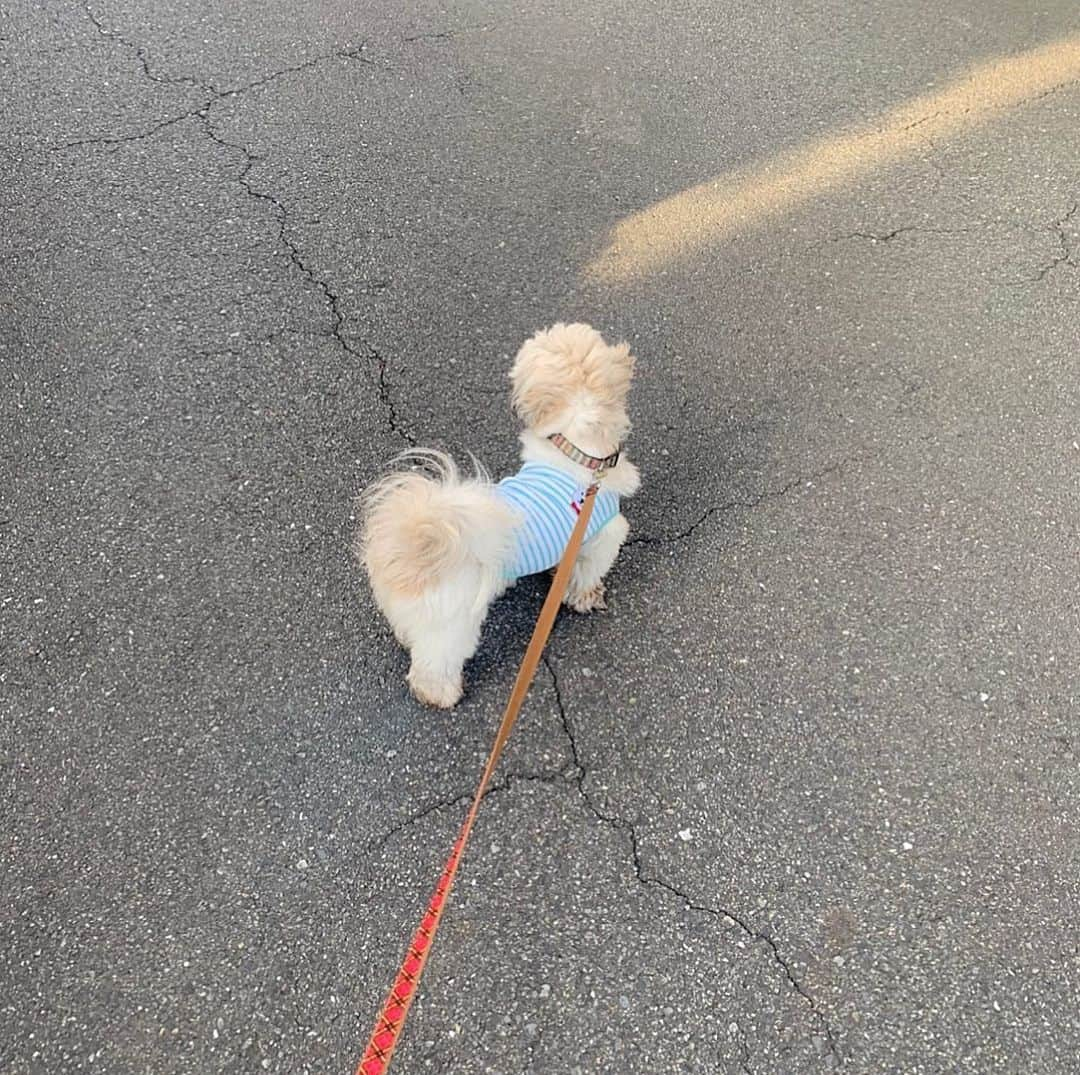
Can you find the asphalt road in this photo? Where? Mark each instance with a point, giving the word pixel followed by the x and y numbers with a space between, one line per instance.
pixel 806 799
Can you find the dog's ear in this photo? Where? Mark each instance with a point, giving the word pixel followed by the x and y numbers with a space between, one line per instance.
pixel 538 405
pixel 539 381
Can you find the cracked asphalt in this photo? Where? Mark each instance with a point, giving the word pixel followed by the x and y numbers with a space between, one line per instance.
pixel 806 799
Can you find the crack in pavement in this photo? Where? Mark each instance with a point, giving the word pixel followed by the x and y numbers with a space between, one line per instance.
pixel 886 237
pixel 212 92
pixel 733 505
pixel 214 95
pixel 577 775
pixel 543 776
pixel 378 842
pixel 891 236
pixel 140 54
pixel 1017 104
pixel 1065 253
pixel 135 136
pixel 321 283
pixel 722 915
pixel 449 35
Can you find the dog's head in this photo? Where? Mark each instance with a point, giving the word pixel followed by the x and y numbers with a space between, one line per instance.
pixel 568 380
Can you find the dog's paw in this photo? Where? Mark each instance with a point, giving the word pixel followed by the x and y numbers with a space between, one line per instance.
pixel 439 695
pixel 590 600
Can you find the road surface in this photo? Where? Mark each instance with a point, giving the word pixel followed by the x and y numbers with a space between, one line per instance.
pixel 806 798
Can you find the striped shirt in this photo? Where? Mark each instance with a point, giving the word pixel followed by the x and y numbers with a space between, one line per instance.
pixel 549 500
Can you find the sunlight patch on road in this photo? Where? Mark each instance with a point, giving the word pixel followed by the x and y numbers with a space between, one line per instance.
pixel 684 224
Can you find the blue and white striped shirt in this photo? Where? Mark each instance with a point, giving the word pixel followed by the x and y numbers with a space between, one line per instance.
pixel 548 501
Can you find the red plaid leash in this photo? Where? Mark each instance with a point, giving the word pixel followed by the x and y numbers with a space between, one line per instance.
pixel 391 1021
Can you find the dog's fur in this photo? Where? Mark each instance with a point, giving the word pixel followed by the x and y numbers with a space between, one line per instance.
pixel 435 544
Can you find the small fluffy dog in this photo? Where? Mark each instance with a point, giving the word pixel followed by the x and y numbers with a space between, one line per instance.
pixel 439 548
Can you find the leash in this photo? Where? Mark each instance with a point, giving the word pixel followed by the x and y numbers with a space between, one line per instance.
pixel 391 1021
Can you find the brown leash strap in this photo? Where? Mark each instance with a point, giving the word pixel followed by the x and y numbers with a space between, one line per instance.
pixel 391 1021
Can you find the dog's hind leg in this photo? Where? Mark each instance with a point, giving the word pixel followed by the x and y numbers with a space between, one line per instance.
pixel 586 590
pixel 439 648
pixel 437 660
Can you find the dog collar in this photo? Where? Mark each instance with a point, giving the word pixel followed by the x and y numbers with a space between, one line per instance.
pixel 590 462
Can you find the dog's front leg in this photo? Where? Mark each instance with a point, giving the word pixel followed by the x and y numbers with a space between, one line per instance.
pixel 586 590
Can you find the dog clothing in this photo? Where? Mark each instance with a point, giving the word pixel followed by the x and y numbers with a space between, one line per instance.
pixel 549 501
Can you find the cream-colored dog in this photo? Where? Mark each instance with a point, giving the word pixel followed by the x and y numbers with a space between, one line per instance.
pixel 439 548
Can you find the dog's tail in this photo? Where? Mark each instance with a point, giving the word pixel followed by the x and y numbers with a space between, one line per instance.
pixel 422 525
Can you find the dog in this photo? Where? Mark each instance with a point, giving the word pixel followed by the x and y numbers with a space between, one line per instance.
pixel 439 548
